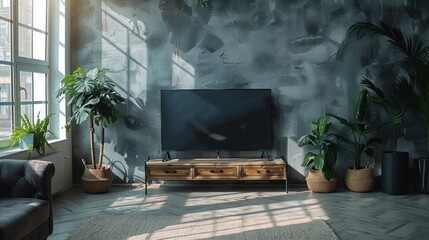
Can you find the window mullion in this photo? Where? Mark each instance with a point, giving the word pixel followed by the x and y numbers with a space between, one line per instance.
pixel 15 75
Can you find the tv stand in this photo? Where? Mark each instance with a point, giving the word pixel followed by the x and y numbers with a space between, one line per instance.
pixel 212 169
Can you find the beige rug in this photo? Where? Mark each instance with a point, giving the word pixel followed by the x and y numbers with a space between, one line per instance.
pixel 182 227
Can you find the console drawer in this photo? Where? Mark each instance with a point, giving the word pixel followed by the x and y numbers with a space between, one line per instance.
pixel 263 172
pixel 169 173
pixel 210 173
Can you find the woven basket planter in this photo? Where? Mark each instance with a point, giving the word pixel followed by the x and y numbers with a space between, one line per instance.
pixel 316 182
pixel 97 180
pixel 360 180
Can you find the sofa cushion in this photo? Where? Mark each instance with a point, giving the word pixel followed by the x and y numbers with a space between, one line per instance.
pixel 20 216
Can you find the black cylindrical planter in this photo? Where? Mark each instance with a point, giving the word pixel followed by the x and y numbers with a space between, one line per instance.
pixel 422 174
pixel 394 172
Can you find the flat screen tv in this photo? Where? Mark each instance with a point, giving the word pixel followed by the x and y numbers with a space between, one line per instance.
pixel 232 119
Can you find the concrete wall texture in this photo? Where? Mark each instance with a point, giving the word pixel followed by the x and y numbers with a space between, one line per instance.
pixel 296 48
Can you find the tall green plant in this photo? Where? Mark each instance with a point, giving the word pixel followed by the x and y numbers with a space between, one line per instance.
pixel 411 88
pixel 359 131
pixel 394 109
pixel 325 147
pixel 92 96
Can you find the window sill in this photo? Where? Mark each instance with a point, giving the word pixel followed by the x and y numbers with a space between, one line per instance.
pixel 4 153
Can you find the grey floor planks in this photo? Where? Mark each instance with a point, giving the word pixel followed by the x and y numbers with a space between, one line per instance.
pixel 351 215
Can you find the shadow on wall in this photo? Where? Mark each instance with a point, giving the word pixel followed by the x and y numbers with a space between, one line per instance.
pixel 135 141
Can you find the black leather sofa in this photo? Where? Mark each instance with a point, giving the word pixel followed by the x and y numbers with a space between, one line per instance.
pixel 25 199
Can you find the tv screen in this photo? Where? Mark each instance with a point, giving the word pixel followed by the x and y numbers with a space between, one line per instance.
pixel 233 119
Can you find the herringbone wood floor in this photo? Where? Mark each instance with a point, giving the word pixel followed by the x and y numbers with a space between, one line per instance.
pixel 351 215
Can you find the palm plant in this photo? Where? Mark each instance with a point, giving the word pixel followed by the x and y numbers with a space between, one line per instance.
pixel 92 96
pixel 411 88
pixel 326 146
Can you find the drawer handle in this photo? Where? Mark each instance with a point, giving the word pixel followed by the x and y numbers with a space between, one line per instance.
pixel 170 171
pixel 216 171
pixel 260 172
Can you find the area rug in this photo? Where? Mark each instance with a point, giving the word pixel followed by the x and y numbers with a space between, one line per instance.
pixel 184 227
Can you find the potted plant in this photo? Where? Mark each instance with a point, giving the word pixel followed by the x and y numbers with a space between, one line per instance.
pixel 320 162
pixel 410 90
pixel 92 96
pixel 394 165
pixel 359 177
pixel 32 135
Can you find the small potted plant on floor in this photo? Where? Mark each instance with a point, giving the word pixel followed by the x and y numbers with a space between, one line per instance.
pixel 320 161
pixel 92 96
pixel 359 177
pixel 32 135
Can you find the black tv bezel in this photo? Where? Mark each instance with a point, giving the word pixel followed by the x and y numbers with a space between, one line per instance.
pixel 269 145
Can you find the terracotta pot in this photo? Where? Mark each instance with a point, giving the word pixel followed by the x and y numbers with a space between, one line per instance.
pixel 316 182
pixel 360 180
pixel 97 180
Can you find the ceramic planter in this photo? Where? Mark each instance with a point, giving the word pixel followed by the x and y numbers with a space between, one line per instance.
pixel 26 141
pixel 394 171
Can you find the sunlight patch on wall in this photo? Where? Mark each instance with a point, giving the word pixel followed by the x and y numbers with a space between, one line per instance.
pixel 183 73
pixel 124 51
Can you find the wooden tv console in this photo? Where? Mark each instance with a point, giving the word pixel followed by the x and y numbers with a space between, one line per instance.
pixel 239 169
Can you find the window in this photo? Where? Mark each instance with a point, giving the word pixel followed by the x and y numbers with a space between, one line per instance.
pixel 24 63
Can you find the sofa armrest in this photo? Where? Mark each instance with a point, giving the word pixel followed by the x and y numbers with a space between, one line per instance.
pixel 26 179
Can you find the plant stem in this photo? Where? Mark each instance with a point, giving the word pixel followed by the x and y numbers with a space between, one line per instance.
pixel 395 140
pixel 91 141
pixel 100 157
pixel 427 139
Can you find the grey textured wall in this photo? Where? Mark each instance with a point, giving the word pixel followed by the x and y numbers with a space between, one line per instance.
pixel 297 48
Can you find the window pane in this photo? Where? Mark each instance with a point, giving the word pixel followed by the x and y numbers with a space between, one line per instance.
pixel 39 15
pixel 5 83
pixel 24 42
pixel 5 9
pixel 5 122
pixel 5 43
pixel 26 85
pixel 39 86
pixel 25 10
pixel 39 40
pixel 27 110
pixel 6 114
pixel 40 108
pixel 31 111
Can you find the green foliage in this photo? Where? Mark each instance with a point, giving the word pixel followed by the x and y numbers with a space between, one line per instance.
pixel 325 148
pixel 91 95
pixel 394 109
pixel 412 3
pixel 359 131
pixel 361 105
pixel 39 129
pixel 412 88
pixel 202 3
